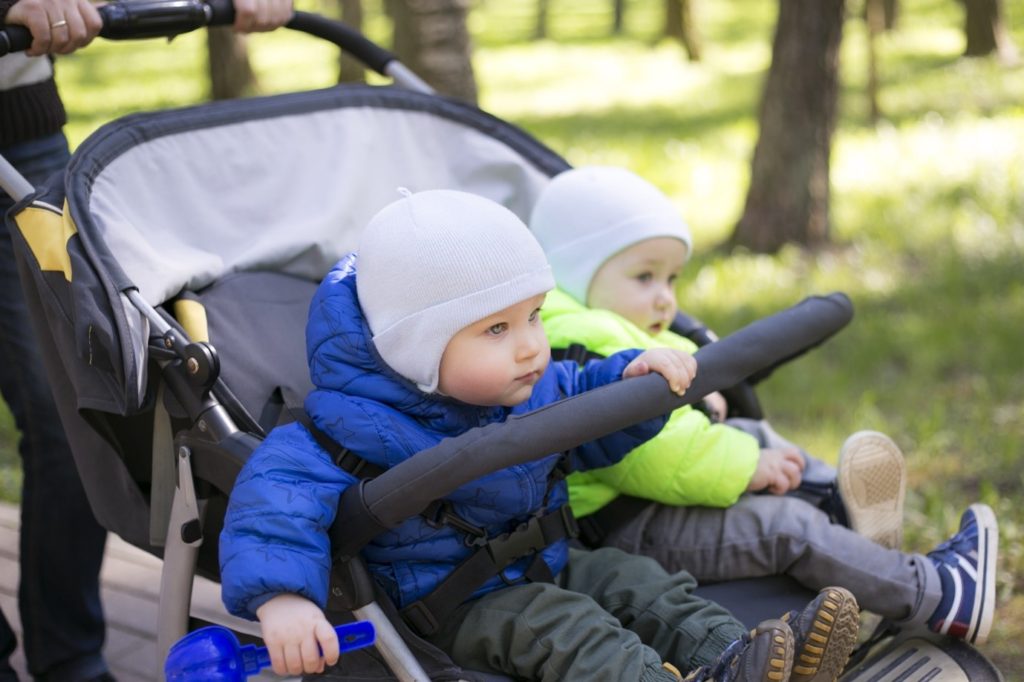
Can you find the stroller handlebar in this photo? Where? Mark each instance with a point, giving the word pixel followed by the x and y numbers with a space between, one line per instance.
pixel 408 488
pixel 138 19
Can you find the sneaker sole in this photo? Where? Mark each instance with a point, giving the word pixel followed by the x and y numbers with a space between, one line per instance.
pixel 872 479
pixel 780 661
pixel 832 638
pixel 988 550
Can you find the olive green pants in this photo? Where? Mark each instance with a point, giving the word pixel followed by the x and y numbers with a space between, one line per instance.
pixel 612 617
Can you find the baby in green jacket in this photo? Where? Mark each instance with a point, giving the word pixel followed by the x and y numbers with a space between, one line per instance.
pixel 616 245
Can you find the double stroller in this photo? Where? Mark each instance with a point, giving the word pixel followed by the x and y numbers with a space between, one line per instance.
pixel 169 272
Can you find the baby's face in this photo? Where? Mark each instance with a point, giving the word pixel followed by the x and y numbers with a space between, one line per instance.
pixel 638 283
pixel 499 359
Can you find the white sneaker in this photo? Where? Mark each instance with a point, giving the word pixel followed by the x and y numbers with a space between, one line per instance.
pixel 872 480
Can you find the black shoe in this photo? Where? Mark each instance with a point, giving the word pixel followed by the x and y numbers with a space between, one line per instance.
pixel 825 633
pixel 765 655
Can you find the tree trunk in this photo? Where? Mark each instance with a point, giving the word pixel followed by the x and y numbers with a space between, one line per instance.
pixel 540 26
pixel 432 39
pixel 986 30
pixel 788 199
pixel 891 11
pixel 618 16
pixel 679 24
pixel 231 75
pixel 350 69
pixel 874 12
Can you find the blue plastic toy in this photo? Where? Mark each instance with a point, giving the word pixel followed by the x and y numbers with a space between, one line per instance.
pixel 213 654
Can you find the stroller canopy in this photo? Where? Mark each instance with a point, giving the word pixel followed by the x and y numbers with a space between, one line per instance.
pixel 173 201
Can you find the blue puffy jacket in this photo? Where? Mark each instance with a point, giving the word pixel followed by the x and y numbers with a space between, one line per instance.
pixel 275 534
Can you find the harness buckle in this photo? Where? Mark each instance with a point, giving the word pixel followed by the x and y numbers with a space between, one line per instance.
pixel 527 538
pixel 440 513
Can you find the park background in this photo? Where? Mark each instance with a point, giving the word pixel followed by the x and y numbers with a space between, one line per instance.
pixel 927 210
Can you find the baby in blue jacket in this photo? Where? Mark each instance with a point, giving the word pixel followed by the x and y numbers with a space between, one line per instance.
pixel 432 330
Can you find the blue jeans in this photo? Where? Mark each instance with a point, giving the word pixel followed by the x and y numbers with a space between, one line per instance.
pixel 61 544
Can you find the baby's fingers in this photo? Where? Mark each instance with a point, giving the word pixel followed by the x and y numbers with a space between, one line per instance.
pixel 277 661
pixel 637 368
pixel 678 369
pixel 793 474
pixel 292 658
pixel 310 653
pixel 328 640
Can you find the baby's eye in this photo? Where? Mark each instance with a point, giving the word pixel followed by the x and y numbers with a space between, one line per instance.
pixel 497 329
pixel 535 315
pixel 672 279
pixel 645 277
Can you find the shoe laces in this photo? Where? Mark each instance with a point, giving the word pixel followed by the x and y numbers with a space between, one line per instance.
pixel 964 543
pixel 724 661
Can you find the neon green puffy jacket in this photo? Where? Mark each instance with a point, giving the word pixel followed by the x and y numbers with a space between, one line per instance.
pixel 692 461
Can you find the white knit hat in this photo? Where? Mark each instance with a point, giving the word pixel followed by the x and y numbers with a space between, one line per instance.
pixel 434 262
pixel 587 215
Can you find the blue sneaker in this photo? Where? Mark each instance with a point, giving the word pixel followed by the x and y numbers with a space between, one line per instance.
pixel 967 568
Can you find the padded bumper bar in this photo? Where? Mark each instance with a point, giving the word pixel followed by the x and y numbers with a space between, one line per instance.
pixel 407 489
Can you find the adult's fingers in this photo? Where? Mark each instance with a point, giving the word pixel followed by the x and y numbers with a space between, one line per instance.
pixel 32 14
pixel 245 15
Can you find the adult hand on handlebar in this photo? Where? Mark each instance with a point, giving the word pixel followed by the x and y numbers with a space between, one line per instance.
pixel 261 15
pixel 57 26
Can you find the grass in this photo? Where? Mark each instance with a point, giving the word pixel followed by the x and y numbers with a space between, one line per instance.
pixel 928 215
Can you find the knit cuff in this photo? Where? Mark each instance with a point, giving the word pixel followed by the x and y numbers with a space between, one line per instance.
pixel 718 638
pixel 30 112
pixel 4 6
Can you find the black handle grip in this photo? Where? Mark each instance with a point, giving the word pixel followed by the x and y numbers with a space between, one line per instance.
pixel 136 19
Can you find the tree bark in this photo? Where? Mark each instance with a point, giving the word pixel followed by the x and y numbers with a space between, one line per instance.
pixel 540 26
pixel 788 199
pixel 432 39
pixel 618 16
pixel 874 17
pixel 231 75
pixel 986 31
pixel 891 11
pixel 350 69
pixel 679 24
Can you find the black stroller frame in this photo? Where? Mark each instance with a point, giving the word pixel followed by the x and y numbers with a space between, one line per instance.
pixel 130 378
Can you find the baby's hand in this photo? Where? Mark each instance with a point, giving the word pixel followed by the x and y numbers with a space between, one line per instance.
pixel 717 406
pixel 293 627
pixel 778 471
pixel 677 367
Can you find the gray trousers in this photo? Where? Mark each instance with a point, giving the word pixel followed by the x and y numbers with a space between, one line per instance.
pixel 764 535
pixel 611 617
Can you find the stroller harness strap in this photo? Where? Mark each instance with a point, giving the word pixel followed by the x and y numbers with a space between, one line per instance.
pixel 492 555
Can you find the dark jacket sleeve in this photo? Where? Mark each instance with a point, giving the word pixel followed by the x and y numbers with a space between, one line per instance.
pixel 4 6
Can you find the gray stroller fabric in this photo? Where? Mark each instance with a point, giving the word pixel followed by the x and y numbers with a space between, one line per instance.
pixel 178 200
